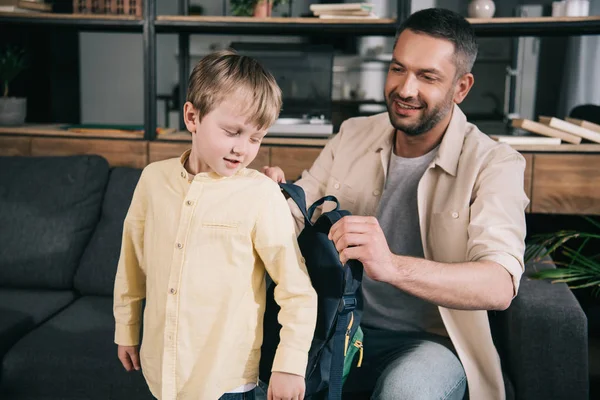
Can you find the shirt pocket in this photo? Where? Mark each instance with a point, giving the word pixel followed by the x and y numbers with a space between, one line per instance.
pixel 342 191
pixel 447 235
pixel 226 226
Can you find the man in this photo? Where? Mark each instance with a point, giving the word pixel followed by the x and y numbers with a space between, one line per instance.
pixel 438 221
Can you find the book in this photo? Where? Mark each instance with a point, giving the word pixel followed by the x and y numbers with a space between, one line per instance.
pixel 545 130
pixel 584 124
pixel 328 16
pixel 526 140
pixel 557 123
pixel 35 5
pixel 341 12
pixel 341 7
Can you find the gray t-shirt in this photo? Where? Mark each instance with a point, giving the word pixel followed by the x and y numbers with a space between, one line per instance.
pixel 385 306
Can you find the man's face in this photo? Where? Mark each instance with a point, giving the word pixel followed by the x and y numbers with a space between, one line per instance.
pixel 420 88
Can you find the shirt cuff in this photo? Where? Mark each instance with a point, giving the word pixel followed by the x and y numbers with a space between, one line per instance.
pixel 510 263
pixel 127 335
pixel 290 361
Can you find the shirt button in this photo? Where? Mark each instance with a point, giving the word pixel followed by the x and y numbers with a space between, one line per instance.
pixel 179 246
pixel 454 215
pixel 189 202
pixel 183 174
pixel 172 291
pixel 337 186
pixel 376 192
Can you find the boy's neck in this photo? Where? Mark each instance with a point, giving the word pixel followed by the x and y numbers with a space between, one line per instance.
pixel 195 166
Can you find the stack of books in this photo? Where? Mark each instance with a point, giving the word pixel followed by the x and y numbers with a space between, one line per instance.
pixel 552 130
pixel 345 10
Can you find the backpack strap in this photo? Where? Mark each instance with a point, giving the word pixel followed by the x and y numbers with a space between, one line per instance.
pixel 296 193
pixel 322 200
pixel 347 304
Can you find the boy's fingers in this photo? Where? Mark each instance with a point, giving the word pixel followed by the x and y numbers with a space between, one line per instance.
pixel 135 357
pixel 125 361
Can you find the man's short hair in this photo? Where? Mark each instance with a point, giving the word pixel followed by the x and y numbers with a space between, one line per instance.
pixel 226 74
pixel 445 24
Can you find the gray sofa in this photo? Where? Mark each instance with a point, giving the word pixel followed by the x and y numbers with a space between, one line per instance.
pixel 60 231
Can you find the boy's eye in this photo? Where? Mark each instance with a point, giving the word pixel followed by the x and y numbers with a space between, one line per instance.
pixel 229 133
pixel 255 140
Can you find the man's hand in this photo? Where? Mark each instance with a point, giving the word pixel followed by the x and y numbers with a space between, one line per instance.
pixel 274 173
pixel 283 386
pixel 361 238
pixel 130 357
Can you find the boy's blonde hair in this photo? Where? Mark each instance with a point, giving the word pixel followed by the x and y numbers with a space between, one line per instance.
pixel 225 73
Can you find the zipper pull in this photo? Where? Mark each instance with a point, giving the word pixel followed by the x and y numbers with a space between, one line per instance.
pixel 348 333
pixel 359 345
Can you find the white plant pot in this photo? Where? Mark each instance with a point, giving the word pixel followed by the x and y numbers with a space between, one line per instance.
pixel 13 110
pixel 482 9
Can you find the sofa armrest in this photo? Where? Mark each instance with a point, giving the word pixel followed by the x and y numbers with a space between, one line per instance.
pixel 542 340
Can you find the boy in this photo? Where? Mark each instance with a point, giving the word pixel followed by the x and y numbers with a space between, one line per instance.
pixel 200 233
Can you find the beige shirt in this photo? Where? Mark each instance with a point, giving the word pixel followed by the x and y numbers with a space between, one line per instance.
pixel 471 208
pixel 197 252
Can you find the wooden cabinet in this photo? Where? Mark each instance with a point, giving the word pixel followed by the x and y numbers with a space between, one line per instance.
pixel 119 153
pixel 15 146
pixel 528 178
pixel 566 184
pixel 294 160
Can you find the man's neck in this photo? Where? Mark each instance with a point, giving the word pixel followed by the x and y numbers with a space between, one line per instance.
pixel 416 146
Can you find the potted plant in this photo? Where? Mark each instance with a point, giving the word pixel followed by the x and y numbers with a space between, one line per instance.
pixel 576 267
pixel 256 8
pixel 12 109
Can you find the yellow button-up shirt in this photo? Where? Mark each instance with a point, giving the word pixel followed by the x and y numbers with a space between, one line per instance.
pixel 197 250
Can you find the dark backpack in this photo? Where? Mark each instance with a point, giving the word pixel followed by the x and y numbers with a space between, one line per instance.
pixel 339 304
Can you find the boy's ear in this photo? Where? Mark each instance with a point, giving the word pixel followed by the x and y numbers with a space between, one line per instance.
pixel 189 116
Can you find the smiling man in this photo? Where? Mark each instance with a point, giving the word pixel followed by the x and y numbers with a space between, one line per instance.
pixel 438 223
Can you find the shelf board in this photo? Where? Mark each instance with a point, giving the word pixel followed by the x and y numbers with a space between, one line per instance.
pixel 274 25
pixel 185 136
pixel 514 26
pixel 55 130
pixel 90 22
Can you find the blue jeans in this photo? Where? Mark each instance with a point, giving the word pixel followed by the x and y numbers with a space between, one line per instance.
pixel 238 396
pixel 408 366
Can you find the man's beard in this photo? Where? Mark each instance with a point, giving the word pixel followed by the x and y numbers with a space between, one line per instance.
pixel 429 118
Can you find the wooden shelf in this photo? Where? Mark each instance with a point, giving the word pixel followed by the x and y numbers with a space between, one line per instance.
pixel 516 26
pixel 184 136
pixel 91 22
pixel 55 130
pixel 274 25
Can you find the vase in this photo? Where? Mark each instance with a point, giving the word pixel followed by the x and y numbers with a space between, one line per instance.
pixel 12 110
pixel 263 9
pixel 482 9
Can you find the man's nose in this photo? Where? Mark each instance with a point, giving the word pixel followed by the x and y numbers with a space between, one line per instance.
pixel 408 87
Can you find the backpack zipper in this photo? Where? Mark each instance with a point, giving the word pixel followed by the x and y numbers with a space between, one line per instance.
pixel 348 333
pixel 358 344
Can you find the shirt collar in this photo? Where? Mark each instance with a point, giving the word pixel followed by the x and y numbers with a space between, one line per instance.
pixel 201 176
pixel 449 149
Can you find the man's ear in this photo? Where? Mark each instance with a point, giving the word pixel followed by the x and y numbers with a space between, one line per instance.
pixel 190 115
pixel 462 87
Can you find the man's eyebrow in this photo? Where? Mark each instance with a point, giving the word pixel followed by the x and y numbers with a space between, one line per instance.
pixel 434 71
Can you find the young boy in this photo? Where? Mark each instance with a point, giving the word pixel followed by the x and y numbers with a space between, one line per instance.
pixel 200 233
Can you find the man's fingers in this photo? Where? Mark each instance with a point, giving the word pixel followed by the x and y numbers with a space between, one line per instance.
pixel 351 253
pixel 350 225
pixel 270 393
pixel 350 240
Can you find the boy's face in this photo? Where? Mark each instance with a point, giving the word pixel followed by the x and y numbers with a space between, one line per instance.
pixel 222 141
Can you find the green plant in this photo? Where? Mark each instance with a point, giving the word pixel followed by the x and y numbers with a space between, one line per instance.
pixel 245 8
pixel 579 269
pixel 12 62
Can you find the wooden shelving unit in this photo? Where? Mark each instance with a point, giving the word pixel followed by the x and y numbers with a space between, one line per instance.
pixel 90 22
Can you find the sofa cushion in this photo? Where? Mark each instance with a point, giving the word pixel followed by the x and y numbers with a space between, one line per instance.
pixel 71 356
pixel 49 207
pixel 96 272
pixel 22 310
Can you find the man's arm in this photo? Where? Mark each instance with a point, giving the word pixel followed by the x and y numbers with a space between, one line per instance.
pixel 130 281
pixel 275 241
pixel 488 280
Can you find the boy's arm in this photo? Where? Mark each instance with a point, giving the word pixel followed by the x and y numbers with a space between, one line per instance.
pixel 275 242
pixel 130 281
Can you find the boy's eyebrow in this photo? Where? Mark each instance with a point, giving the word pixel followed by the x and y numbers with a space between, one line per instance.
pixel 434 71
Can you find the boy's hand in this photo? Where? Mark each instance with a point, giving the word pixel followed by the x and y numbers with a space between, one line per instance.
pixel 130 357
pixel 274 173
pixel 283 386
